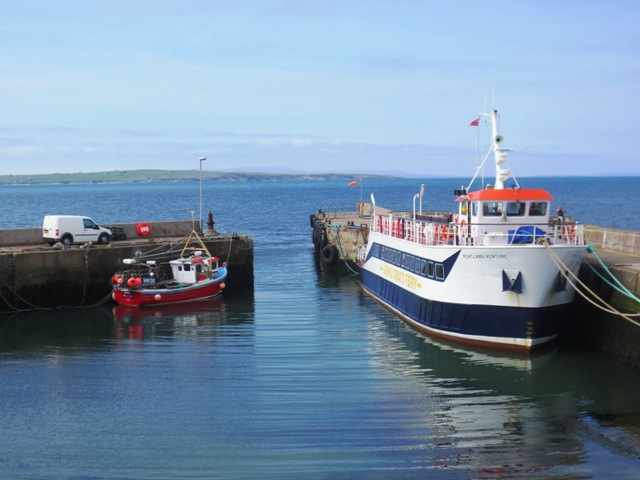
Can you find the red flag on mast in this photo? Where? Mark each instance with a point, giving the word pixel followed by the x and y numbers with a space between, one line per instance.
pixel 475 123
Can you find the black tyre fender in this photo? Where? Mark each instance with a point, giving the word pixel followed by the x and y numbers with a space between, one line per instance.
pixel 329 254
pixel 322 238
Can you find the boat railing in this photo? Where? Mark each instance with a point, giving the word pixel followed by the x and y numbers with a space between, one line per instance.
pixel 438 230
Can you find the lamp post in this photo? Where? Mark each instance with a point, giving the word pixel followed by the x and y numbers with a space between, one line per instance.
pixel 202 159
pixel 415 197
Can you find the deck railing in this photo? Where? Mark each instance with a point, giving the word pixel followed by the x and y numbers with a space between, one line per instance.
pixel 426 232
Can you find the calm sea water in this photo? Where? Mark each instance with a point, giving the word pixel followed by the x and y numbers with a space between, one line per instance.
pixel 303 377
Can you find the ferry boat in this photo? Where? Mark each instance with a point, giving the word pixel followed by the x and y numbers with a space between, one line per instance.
pixel 194 275
pixel 496 273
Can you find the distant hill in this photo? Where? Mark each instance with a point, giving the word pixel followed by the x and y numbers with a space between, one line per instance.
pixel 168 176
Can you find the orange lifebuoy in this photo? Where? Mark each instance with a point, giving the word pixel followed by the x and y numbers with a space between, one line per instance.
pixel 143 229
pixel 400 228
pixel 444 233
pixel 131 282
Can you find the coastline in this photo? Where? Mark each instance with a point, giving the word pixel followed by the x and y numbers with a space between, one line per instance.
pixel 118 177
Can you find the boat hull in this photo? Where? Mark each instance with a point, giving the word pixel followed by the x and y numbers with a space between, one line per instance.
pixel 503 298
pixel 141 297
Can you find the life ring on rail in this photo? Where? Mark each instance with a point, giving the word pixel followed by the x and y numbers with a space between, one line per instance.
pixel 329 255
pixel 400 228
pixel 444 233
pixel 143 229
pixel 570 233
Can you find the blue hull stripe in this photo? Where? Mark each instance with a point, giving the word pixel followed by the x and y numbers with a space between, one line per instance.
pixel 480 320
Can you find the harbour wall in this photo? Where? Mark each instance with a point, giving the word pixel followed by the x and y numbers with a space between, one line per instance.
pixel 34 275
pixel 33 236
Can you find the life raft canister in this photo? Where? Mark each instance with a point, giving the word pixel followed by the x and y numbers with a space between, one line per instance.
pixel 143 229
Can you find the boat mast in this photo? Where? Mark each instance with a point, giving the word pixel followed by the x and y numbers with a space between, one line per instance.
pixel 503 172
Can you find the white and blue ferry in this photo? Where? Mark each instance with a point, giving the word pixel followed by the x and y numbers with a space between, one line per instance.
pixel 498 272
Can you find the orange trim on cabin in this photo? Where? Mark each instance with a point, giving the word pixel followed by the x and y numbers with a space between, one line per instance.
pixel 512 194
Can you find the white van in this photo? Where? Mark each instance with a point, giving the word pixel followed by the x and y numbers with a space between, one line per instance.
pixel 68 229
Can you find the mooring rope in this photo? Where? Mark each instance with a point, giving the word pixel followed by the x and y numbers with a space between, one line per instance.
pixel 622 289
pixel 576 281
pixel 339 245
pixel 229 252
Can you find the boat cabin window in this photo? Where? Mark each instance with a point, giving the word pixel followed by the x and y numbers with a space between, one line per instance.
pixel 537 209
pixel 430 269
pixel 439 271
pixel 423 267
pixel 492 209
pixel 474 209
pixel 515 209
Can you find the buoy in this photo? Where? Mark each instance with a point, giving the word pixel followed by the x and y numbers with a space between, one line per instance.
pixel 114 279
pixel 113 296
pixel 120 280
pixel 143 229
pixel 222 286
pixel 138 281
pixel 157 297
pixel 131 282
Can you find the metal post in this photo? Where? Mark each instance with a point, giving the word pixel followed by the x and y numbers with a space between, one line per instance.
pixel 202 159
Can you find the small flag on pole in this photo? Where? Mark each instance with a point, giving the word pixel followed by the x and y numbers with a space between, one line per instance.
pixel 352 184
pixel 475 123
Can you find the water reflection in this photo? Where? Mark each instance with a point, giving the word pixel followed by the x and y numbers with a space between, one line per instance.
pixel 68 328
pixel 509 414
pixel 84 327
pixel 197 318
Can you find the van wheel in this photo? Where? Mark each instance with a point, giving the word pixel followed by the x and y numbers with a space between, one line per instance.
pixel 103 238
pixel 66 240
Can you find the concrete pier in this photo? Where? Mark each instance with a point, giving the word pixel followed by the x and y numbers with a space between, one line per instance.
pixel 337 235
pixel 34 275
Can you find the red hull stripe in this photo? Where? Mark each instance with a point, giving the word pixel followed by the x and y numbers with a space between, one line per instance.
pixel 511 194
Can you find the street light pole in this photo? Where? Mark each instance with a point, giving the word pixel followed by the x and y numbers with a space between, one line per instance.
pixel 202 159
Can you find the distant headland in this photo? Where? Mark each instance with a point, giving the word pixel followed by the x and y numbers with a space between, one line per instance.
pixel 168 176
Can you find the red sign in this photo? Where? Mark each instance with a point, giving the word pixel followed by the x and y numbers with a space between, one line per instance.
pixel 143 229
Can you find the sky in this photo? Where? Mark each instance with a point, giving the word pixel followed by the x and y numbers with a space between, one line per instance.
pixel 318 86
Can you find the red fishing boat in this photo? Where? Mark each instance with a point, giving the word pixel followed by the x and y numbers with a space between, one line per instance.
pixel 194 275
